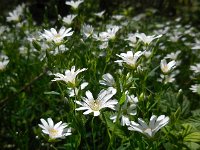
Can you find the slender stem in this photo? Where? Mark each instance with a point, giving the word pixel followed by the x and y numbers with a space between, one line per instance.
pixel 112 136
pixel 106 125
pixel 53 147
pixel 74 101
pixel 93 134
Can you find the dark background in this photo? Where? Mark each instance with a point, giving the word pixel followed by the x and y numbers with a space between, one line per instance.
pixel 188 9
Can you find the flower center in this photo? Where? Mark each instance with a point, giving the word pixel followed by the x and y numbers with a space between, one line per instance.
pixel 148 131
pixel 95 105
pixel 57 36
pixel 53 133
pixel 165 69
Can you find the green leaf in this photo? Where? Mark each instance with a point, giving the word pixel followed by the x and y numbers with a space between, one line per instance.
pixel 192 145
pixel 187 129
pixel 194 121
pixel 196 112
pixel 36 45
pixel 185 107
pixel 122 99
pixel 52 93
pixel 116 128
pixel 192 137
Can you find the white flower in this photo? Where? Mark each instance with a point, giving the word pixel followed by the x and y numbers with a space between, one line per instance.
pixel 166 67
pixel 69 76
pixel 74 91
pixel 55 36
pixel 117 17
pixel 111 32
pixel 59 49
pixel 107 80
pixel 103 45
pixel 4 60
pixel 99 14
pixel 87 30
pixel 195 68
pixel 127 109
pixel 132 40
pixel 15 14
pixel 167 78
pixel 173 55
pixel 197 44
pixel 102 36
pixel 146 39
pixel 139 17
pixel 74 4
pixel 58 130
pixel 147 54
pixel 195 88
pixel 95 105
pixel 129 58
pixel 2 29
pixel 68 19
pixel 175 37
pixel 155 124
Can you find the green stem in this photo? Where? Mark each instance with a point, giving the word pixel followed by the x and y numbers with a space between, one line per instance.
pixel 74 107
pixel 113 135
pixel 93 134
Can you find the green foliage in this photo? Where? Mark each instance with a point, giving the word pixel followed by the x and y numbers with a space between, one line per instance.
pixel 44 74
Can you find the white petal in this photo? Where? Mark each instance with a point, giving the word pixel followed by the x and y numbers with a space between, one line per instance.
pixel 152 121
pixel 96 113
pixel 44 123
pixel 50 121
pixel 89 95
pixel 57 124
pixel 53 31
pixel 142 123
pixel 87 112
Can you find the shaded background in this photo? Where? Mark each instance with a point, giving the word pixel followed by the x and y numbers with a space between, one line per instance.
pixel 188 9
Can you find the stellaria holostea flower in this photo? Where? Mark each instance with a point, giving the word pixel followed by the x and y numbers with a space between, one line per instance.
pixel 167 67
pixel 167 78
pixel 69 77
pixel 108 80
pixel 146 39
pixel 132 40
pixel 173 55
pixel 147 54
pixel 102 36
pixel 195 88
pixel 111 31
pixel 95 105
pixel 68 19
pixel 15 14
pixel 127 109
pixel 129 58
pixel 74 91
pixel 74 4
pixel 195 68
pixel 100 14
pixel 87 30
pixel 196 45
pixel 155 124
pixel 117 17
pixel 55 36
pixel 107 35
pixel 58 130
pixel 4 60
